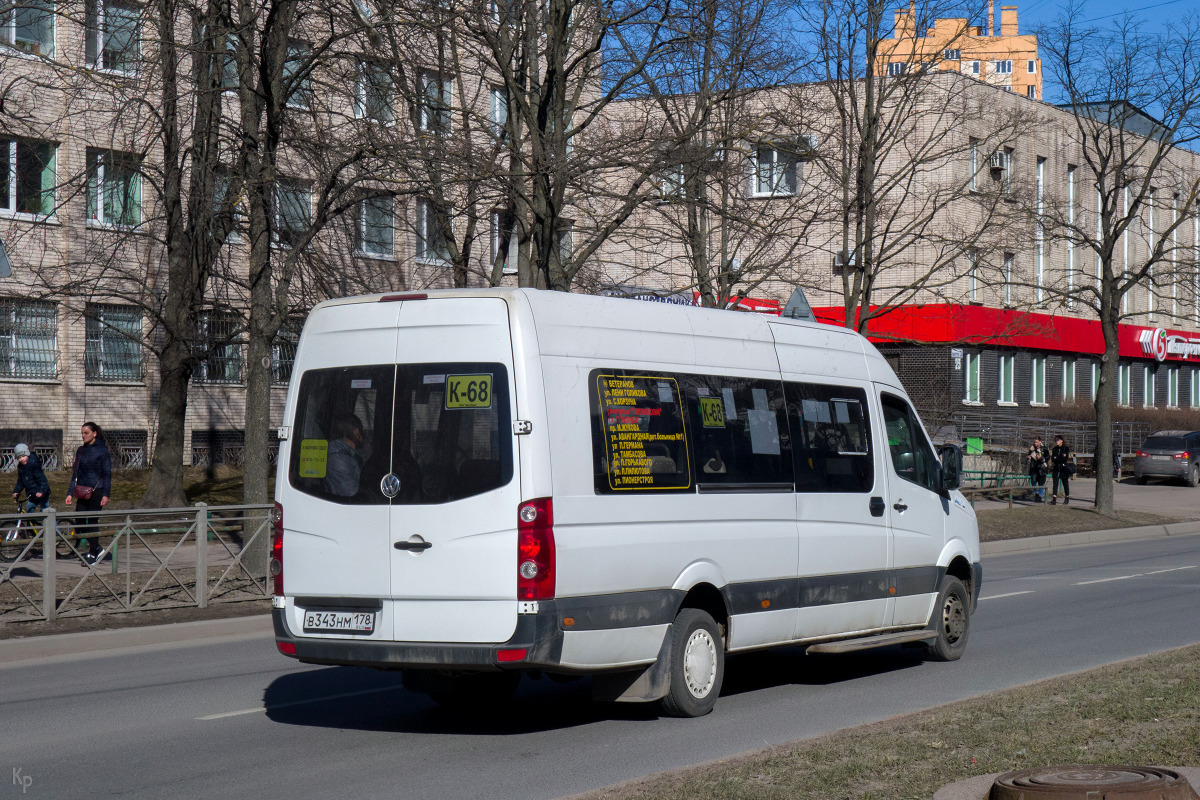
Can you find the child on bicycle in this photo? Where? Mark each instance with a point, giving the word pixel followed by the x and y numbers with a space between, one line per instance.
pixel 32 478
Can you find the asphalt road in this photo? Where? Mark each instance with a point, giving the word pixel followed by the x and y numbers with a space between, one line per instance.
pixel 230 717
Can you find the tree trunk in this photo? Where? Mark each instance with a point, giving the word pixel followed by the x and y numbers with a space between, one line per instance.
pixel 165 487
pixel 1103 405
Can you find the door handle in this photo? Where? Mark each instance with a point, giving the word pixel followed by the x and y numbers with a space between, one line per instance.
pixel 900 506
pixel 877 507
pixel 418 546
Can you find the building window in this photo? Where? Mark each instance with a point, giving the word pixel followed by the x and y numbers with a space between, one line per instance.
pixel 27 176
pixel 28 339
pixel 1002 67
pixel 1006 379
pixel 297 75
pixel 437 101
pixel 971 395
pixel 1031 66
pixel 775 172
pixel 29 27
pixel 375 230
pixel 498 112
pixel 1173 387
pixel 1037 381
pixel 112 349
pixel 1031 92
pixel 432 245
pixel 670 183
pixel 952 55
pixel 113 38
pixel 564 237
pixel 1194 388
pixel 283 350
pixel 974 67
pixel 1068 380
pixel 897 67
pixel 114 189
pixel 218 347
pixel 292 208
pixel 1148 376
pixel 373 98
pixel 504 242
pixel 1123 383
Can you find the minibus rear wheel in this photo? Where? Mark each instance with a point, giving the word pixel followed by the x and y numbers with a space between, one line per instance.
pixel 952 621
pixel 697 664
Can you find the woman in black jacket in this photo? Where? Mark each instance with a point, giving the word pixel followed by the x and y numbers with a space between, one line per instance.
pixel 1060 460
pixel 91 481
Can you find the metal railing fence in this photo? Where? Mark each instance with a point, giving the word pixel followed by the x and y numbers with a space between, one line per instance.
pixel 1001 431
pixel 151 558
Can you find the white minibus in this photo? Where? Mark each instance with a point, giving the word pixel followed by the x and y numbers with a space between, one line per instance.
pixel 479 484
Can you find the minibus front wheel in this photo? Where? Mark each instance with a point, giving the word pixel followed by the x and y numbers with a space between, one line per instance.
pixel 951 621
pixel 697 665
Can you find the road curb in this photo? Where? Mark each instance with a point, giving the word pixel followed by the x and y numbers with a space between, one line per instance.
pixel 72 644
pixel 1029 543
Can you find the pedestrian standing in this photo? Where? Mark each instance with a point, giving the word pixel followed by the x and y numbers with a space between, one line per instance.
pixel 1039 462
pixel 32 478
pixel 91 482
pixel 1063 466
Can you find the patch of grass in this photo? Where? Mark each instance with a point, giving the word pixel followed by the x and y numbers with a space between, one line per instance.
pixel 218 486
pixel 1142 712
pixel 997 524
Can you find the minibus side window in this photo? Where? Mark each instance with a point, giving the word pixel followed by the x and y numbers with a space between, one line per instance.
pixel 739 431
pixel 912 456
pixel 453 434
pixel 639 432
pixel 342 433
pixel 831 438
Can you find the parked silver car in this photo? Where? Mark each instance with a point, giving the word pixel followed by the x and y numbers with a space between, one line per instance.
pixel 1169 454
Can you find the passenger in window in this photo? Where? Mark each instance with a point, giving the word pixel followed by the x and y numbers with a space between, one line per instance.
pixel 1039 463
pixel 343 462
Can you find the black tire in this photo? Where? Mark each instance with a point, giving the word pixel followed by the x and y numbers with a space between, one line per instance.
pixel 951 621
pixel 1193 479
pixel 11 542
pixel 697 665
pixel 477 691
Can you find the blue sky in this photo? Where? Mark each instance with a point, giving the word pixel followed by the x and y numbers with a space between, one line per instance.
pixel 1036 12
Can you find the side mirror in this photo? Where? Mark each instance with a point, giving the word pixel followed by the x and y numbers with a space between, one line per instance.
pixel 952 461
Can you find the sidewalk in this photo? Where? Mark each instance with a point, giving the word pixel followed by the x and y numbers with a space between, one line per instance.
pixel 1175 499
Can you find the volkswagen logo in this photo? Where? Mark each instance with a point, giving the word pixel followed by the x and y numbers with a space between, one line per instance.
pixel 390 485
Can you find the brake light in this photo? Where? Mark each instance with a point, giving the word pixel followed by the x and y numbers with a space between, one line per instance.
pixel 1182 455
pixel 1142 454
pixel 275 565
pixel 535 549
pixel 395 298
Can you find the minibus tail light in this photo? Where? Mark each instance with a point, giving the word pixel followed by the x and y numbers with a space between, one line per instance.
pixel 397 298
pixel 535 549
pixel 275 565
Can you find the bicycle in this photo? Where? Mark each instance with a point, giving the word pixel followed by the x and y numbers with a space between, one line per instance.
pixel 18 535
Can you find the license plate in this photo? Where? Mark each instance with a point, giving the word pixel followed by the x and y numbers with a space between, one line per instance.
pixel 357 622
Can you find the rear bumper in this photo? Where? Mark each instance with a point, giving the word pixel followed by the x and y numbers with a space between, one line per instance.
pixel 538 634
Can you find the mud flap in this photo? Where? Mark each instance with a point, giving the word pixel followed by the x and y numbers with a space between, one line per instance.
pixel 643 685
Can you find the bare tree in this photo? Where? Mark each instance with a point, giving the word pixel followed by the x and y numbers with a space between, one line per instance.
pixel 1134 104
pixel 902 131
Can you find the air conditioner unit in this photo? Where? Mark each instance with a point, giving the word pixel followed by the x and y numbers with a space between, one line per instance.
pixel 841 260
pixel 998 160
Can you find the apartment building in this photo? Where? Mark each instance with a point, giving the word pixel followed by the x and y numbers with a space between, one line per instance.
pixel 1003 58
pixel 83 222
pixel 988 295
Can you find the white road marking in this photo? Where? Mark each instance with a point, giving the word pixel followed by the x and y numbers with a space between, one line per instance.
pixel 263 709
pixel 1010 594
pixel 1136 575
